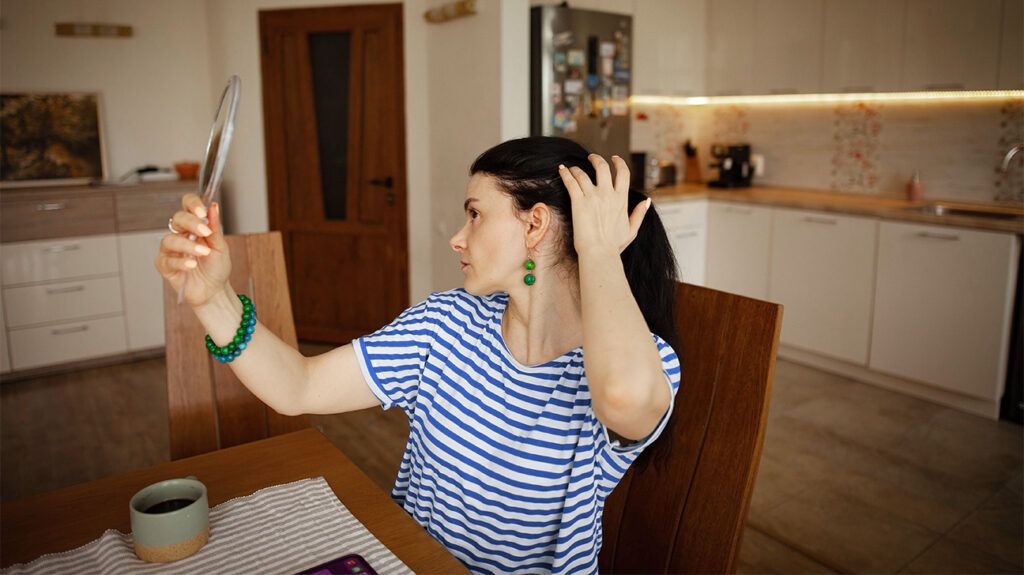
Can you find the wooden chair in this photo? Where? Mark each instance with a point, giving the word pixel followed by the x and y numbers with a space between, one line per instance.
pixel 209 408
pixel 688 517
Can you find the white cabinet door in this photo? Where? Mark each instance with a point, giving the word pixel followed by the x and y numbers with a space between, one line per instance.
pixel 730 44
pixel 739 248
pixel 5 357
pixel 669 47
pixel 143 289
pixel 943 302
pixel 1011 53
pixel 823 272
pixel 861 37
pixel 952 44
pixel 686 225
pixel 787 47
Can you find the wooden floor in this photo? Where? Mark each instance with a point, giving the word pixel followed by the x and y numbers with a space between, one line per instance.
pixel 853 479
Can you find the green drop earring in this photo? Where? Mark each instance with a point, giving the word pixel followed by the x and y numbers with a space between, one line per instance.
pixel 529 278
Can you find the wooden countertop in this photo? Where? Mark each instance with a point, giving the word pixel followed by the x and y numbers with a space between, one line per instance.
pixel 889 208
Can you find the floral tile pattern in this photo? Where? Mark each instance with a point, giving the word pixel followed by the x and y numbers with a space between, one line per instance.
pixel 855 147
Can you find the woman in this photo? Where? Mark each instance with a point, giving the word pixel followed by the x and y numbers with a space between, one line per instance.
pixel 516 436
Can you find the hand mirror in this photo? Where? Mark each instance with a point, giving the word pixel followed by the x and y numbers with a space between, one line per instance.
pixel 217 148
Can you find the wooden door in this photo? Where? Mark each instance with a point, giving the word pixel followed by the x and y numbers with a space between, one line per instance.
pixel 333 105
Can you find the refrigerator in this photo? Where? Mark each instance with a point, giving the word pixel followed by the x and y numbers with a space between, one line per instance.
pixel 581 74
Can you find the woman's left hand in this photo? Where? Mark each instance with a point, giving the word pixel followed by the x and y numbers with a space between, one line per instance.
pixel 599 216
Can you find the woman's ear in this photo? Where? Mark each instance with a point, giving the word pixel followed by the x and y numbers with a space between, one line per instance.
pixel 538 221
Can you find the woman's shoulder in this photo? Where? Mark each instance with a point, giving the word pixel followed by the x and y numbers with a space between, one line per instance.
pixel 490 303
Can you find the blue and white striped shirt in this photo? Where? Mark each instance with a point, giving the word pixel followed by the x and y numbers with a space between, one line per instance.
pixel 506 465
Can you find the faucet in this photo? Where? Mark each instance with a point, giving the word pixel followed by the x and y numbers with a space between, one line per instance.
pixel 1009 156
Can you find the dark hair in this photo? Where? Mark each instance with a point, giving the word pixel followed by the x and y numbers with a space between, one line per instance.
pixel 527 170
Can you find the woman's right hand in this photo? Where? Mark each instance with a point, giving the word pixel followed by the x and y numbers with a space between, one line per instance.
pixel 205 262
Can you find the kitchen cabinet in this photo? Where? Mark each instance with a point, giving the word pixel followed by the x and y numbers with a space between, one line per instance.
pixel 823 271
pixel 731 29
pixel 943 301
pixel 685 225
pixel 143 289
pixel 739 248
pixel 952 44
pixel 668 47
pixel 1011 51
pixel 78 279
pixel 861 38
pixel 62 299
pixel 787 47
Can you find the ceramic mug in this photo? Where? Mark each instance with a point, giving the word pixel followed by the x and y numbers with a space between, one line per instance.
pixel 170 520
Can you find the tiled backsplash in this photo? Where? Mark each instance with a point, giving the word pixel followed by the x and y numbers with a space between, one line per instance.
pixel 864 147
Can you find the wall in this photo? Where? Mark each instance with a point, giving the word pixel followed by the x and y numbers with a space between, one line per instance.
pixel 464 95
pixel 155 97
pixel 866 148
pixel 161 87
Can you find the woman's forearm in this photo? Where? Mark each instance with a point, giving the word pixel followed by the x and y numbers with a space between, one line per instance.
pixel 274 371
pixel 622 362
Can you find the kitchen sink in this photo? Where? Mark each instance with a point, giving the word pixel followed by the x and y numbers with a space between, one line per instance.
pixel 946 210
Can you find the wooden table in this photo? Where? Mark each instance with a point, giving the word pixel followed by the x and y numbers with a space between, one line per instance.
pixel 68 518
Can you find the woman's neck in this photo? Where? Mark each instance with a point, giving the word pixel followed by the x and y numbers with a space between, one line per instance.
pixel 544 321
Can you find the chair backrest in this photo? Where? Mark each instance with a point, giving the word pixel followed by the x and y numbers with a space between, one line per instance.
pixel 688 515
pixel 209 408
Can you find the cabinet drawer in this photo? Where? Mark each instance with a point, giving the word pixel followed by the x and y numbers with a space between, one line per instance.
pixel 38 346
pixel 147 210
pixel 56 259
pixel 57 218
pixel 685 213
pixel 62 301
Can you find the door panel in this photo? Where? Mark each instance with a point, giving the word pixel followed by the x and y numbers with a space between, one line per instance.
pixel 333 107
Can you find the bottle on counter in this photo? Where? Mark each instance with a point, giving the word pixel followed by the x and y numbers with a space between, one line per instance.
pixel 914 190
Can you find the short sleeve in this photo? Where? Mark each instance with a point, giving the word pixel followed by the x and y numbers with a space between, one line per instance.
pixel 392 358
pixel 670 368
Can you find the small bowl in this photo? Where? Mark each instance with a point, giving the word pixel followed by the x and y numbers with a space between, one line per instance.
pixel 187 170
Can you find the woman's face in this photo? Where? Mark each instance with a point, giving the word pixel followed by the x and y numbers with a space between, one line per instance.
pixel 492 243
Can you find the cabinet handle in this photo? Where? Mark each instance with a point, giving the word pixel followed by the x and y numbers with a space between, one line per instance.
pixel 858 89
pixel 688 235
pixel 735 210
pixel 61 248
pixel 69 289
pixel 51 206
pixel 67 330
pixel 937 236
pixel 816 220
pixel 783 91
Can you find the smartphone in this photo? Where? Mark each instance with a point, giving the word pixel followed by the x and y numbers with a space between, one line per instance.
pixel 348 565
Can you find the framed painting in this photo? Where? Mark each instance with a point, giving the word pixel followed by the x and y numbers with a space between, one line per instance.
pixel 50 139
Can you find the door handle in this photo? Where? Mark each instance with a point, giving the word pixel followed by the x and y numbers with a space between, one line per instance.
pixel 387 182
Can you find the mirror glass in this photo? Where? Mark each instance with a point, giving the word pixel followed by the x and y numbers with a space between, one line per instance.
pixel 220 141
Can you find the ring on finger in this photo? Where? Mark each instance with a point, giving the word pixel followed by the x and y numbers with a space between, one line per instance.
pixel 170 226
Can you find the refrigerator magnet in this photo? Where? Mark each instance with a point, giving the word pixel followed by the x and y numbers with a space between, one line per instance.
pixel 573 86
pixel 607 66
pixel 607 49
pixel 576 58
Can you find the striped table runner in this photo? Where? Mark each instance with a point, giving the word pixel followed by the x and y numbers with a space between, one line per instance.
pixel 281 529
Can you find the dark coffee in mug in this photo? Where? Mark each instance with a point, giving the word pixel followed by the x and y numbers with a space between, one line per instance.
pixel 169 505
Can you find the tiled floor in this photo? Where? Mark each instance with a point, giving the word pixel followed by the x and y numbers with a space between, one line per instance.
pixel 853 479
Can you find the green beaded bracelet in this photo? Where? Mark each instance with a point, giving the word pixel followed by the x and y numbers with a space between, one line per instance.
pixel 243 334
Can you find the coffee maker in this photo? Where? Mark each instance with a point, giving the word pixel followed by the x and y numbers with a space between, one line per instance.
pixel 733 163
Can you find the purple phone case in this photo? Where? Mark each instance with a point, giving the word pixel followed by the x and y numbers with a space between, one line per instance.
pixel 348 565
